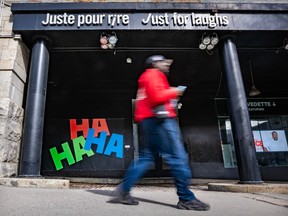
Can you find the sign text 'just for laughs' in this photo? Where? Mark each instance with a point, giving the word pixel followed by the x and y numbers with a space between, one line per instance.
pixel 150 19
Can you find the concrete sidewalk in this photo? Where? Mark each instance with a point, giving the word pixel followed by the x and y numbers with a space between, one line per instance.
pixel 154 201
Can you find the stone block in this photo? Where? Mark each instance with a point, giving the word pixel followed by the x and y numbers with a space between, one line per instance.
pixel 249 188
pixel 11 87
pixel 8 169
pixel 15 113
pixel 4 42
pixel 11 119
pixel 11 116
pixel 5 80
pixel 9 151
pixel 3 121
pixel 21 61
pixel 4 107
pixel 9 54
pixel 11 111
pixel 14 55
pixel 16 95
pixel 6 64
pixel 35 183
pixel 13 131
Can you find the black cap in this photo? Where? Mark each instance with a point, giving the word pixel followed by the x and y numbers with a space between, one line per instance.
pixel 155 58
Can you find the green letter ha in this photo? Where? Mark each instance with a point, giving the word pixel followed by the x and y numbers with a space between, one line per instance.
pixel 80 151
pixel 67 154
pixel 58 157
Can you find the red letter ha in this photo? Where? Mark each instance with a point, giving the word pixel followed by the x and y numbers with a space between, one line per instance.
pixel 75 128
pixel 100 125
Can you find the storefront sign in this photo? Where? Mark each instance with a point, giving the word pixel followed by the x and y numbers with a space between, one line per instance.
pixel 146 16
pixel 264 106
pixel 261 105
pixel 152 19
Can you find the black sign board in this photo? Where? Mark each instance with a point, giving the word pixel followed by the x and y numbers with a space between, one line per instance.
pixel 145 16
pixel 256 107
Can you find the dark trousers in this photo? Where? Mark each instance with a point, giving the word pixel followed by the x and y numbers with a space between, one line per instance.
pixel 161 136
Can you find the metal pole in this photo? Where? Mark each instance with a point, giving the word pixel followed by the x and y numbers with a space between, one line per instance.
pixel 249 172
pixel 31 149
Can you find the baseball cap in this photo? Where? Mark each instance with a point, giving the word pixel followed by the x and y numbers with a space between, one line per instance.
pixel 150 60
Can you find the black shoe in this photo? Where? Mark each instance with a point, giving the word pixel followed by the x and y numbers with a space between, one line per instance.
pixel 125 198
pixel 193 205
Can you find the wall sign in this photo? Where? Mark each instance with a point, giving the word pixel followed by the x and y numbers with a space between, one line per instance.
pixel 151 19
pixel 148 21
pixel 261 106
pixel 148 16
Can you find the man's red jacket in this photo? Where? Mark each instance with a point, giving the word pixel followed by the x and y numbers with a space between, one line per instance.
pixel 153 90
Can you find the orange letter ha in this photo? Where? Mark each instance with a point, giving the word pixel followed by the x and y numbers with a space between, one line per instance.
pixel 100 125
pixel 74 128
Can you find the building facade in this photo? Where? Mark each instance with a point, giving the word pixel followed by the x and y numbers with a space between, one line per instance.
pixel 68 76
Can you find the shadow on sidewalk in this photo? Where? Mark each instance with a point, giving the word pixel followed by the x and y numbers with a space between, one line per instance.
pixel 114 199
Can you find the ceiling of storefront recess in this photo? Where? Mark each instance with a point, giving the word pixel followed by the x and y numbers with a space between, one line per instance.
pixel 80 68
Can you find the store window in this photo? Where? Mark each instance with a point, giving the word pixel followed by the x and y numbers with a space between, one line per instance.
pixel 270 139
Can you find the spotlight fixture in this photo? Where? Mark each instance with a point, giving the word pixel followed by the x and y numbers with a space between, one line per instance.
pixel 210 46
pixel 202 46
pixel 208 42
pixel 214 39
pixel 254 91
pixel 104 41
pixel 285 43
pixel 205 39
pixel 108 40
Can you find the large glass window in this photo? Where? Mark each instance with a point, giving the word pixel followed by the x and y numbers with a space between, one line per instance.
pixel 270 139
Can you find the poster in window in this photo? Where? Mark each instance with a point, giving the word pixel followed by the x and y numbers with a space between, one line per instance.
pixel 270 141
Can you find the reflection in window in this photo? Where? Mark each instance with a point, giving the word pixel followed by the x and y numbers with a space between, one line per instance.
pixel 270 137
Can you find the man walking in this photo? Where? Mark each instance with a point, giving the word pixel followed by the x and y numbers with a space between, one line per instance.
pixel 156 115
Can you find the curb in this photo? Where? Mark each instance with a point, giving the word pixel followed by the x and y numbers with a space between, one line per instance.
pixel 35 183
pixel 249 188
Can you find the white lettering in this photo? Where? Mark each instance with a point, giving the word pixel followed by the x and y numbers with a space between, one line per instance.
pixel 156 20
pixel 204 20
pixel 211 21
pixel 180 20
pixel 145 22
pixel 259 104
pixel 117 19
pixel 81 20
pixel 95 19
pixel 59 19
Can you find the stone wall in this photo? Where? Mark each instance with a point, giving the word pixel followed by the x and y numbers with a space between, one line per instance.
pixel 13 64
